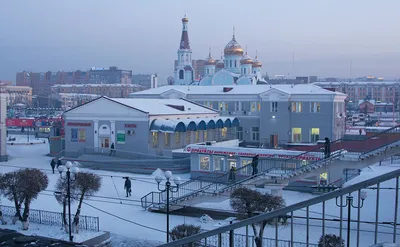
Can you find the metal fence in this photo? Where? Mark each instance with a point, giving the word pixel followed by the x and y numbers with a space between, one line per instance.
pixel 348 213
pixel 89 223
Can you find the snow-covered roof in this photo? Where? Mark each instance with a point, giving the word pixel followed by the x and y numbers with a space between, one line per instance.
pixel 360 83
pixel 97 85
pixel 165 106
pixel 79 94
pixel 302 89
pixel 192 124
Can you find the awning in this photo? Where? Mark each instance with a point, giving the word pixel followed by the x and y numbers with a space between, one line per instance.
pixel 171 126
pixel 167 126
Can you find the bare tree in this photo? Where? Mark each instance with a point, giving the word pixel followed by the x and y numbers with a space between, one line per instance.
pixel 183 231
pixel 31 183
pixel 251 203
pixel 61 197
pixel 87 184
pixel 330 240
pixel 9 186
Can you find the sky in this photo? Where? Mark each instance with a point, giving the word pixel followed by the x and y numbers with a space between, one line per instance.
pixel 322 36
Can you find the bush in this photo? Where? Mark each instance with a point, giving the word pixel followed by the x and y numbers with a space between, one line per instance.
pixel 184 230
pixel 331 240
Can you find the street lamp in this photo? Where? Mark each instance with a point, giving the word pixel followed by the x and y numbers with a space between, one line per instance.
pixel 168 188
pixel 349 204
pixel 68 169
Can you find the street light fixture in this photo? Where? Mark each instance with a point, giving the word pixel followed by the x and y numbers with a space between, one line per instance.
pixel 168 188
pixel 68 169
pixel 350 203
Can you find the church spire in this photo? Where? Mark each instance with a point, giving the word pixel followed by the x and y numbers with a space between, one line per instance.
pixel 185 36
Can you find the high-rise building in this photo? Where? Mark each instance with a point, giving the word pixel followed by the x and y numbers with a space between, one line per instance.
pixel 3 129
pixel 146 81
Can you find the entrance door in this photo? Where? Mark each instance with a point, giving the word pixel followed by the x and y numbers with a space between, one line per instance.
pixel 232 162
pixel 105 142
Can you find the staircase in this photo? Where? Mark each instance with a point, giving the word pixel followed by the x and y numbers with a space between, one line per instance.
pixel 360 153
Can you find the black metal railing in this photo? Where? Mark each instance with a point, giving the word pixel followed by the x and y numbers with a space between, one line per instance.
pixel 89 223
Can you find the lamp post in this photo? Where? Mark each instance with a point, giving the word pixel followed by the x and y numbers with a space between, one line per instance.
pixel 68 169
pixel 349 204
pixel 168 188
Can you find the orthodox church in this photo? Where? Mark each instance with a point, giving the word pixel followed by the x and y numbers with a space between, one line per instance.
pixel 234 67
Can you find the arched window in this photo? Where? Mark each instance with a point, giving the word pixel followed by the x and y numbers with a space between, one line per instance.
pixel 181 74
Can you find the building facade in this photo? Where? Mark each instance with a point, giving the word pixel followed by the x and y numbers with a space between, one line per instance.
pixel 71 100
pixel 109 90
pixel 146 81
pixel 3 128
pixel 269 114
pixel 148 126
pixel 379 91
pixel 18 95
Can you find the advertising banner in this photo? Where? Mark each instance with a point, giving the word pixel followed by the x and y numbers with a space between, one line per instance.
pixel 82 135
pixel 121 136
pixel 74 135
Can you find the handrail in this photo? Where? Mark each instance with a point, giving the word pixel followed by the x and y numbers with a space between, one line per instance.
pixel 286 210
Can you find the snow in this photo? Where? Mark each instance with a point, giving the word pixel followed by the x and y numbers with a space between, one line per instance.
pixel 158 173
pixel 23 139
pixel 205 218
pixel 112 202
pixel 50 231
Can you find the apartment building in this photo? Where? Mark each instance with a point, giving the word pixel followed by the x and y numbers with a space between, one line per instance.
pixel 109 90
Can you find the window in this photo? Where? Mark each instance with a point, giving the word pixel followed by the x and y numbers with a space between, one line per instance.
pixel 166 139
pixel 314 134
pixel 205 132
pixel 244 69
pixel 236 64
pixel 208 104
pixel 155 139
pixel 253 106
pixel 181 74
pixel 274 106
pixel 258 106
pixel 296 134
pixel 238 106
pixel 177 137
pixel 230 63
pixel 255 133
pixel 297 107
pixel 223 106
pixel 224 132
pixel 197 136
pixel 239 133
pixel 219 163
pixel 247 170
pixel 188 134
pixel 204 161
pixel 181 57
pixel 187 57
pixel 315 107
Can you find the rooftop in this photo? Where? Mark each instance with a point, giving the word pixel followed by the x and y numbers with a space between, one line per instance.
pixel 325 83
pixel 241 89
pixel 164 106
pixel 96 85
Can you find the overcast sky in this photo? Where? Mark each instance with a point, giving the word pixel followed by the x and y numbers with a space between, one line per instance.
pixel 143 35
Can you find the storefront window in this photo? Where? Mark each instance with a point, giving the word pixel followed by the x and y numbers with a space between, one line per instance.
pixel 166 139
pixel 155 139
pixel 231 162
pixel 188 134
pixel 219 163
pixel 247 170
pixel 177 137
pixel 204 162
pixel 314 134
pixel 224 132
pixel 197 136
pixel 205 132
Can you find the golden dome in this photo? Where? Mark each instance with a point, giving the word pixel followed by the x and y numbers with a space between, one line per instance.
pixel 246 59
pixel 210 60
pixel 256 63
pixel 233 48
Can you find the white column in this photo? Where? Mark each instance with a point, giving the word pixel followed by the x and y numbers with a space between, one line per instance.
pixel 96 133
pixel 3 128
pixel 113 132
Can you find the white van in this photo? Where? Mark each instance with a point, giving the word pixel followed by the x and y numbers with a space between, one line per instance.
pixel 361 116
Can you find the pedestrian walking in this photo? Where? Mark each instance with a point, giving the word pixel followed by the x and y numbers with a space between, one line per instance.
pixel 327 148
pixel 360 131
pixel 254 164
pixel 127 187
pixel 232 174
pixel 112 151
pixel 59 163
pixel 53 164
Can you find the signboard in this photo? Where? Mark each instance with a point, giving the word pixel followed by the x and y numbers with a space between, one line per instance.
pixel 74 135
pixel 121 136
pixel 79 124
pixel 82 135
pixel 130 125
pixel 19 122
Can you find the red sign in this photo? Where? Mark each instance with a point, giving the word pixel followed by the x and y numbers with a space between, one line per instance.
pixel 79 124
pixel 19 122
pixel 130 125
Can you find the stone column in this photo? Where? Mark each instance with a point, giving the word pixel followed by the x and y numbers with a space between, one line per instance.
pixel 96 134
pixel 3 128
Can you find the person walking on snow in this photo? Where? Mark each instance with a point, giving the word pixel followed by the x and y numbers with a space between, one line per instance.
pixel 127 187
pixel 360 131
pixel 112 151
pixel 254 164
pixel 327 146
pixel 232 174
pixel 53 164
pixel 59 163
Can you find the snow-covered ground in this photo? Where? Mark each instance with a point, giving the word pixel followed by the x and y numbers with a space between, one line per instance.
pixel 119 214
pixel 23 139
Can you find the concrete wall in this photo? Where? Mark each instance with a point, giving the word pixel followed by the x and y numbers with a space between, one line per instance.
pixel 73 146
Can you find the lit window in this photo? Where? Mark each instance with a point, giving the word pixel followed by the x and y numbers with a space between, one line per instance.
pixel 219 162
pixel 204 161
pixel 258 106
pixel 297 107
pixel 166 139
pixel 253 106
pixel 197 136
pixel 205 132
pixel 155 139
pixel 247 170
pixel 188 134
pixel 314 135
pixel 296 134
pixel 315 107
pixel 255 133
pixel 224 132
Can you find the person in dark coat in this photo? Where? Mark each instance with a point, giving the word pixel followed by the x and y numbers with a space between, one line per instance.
pixel 360 131
pixel 254 164
pixel 127 187
pixel 59 163
pixel 53 164
pixel 232 174
pixel 112 151
pixel 327 147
